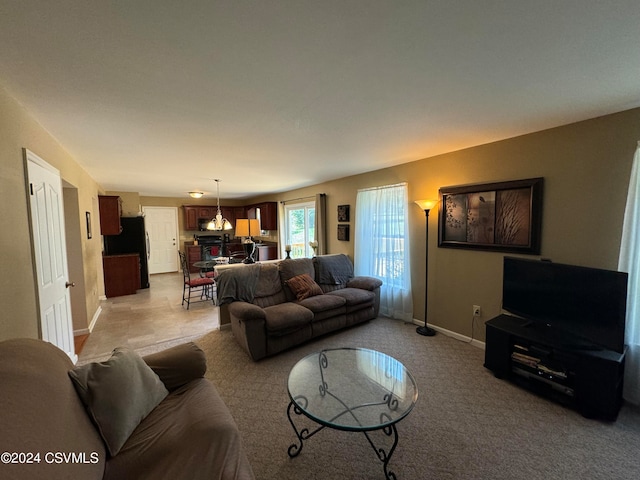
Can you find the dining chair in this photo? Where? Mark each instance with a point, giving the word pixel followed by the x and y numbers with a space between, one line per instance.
pixel 200 287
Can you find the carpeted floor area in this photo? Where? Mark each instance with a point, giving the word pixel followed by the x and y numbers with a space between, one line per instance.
pixel 466 424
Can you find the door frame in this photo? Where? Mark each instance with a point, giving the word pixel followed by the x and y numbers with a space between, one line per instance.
pixel 30 157
pixel 177 232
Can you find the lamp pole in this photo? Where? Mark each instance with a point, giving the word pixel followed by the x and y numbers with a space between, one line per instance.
pixel 425 330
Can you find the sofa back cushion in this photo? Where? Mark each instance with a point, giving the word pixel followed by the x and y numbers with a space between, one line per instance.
pixel 333 272
pixel 292 268
pixel 40 411
pixel 269 289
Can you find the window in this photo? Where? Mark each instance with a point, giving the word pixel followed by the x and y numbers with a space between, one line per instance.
pixel 382 246
pixel 300 228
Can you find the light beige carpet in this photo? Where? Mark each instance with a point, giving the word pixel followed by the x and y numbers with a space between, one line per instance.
pixel 466 424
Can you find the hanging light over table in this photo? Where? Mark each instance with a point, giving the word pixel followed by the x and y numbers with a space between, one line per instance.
pixel 219 223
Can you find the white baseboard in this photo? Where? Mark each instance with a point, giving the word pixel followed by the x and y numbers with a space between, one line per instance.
pixel 94 320
pixel 92 324
pixel 449 333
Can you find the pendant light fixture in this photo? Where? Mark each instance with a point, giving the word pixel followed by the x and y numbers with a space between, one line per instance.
pixel 219 223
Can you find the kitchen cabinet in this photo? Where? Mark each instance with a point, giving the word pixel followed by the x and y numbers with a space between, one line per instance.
pixel 268 215
pixel 193 213
pixel 121 274
pixel 110 209
pixel 229 214
pixel 267 212
pixel 190 217
pixel 239 212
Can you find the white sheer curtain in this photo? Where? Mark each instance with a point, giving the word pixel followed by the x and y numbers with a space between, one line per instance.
pixel 381 247
pixel 630 262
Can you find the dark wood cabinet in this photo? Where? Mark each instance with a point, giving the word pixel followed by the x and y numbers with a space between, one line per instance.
pixel 556 365
pixel 121 274
pixel 268 213
pixel 229 214
pixel 239 212
pixel 194 213
pixel 190 217
pixel 110 207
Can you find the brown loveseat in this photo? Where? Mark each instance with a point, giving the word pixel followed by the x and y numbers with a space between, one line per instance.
pixel 276 305
pixel 47 433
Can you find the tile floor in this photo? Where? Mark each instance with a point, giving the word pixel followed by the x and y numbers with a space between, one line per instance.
pixel 151 316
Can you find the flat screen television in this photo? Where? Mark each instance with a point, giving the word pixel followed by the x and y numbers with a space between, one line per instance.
pixel 586 303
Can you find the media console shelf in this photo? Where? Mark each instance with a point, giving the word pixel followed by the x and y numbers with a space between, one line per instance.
pixel 564 368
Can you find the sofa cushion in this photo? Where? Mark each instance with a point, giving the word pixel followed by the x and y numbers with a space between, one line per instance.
pixel 292 268
pixel 322 303
pixel 355 297
pixel 118 394
pixel 285 318
pixel 268 280
pixel 365 283
pixel 334 269
pixel 303 286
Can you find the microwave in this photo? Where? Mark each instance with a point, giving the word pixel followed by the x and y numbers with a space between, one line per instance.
pixel 202 224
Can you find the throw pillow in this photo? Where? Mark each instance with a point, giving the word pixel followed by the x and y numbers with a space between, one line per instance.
pixel 118 394
pixel 303 286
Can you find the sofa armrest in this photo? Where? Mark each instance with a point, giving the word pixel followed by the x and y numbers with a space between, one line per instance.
pixel 246 311
pixel 178 365
pixel 365 283
pixel 248 325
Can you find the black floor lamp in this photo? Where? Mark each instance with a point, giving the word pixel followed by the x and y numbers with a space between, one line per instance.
pixel 426 205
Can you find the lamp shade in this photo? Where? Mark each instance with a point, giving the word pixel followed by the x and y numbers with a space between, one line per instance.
pixel 242 227
pixel 426 204
pixel 247 227
pixel 196 194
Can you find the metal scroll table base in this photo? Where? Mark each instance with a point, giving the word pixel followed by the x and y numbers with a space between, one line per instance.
pixel 304 434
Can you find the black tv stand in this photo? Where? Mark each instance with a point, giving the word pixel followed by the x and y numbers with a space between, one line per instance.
pixel 580 375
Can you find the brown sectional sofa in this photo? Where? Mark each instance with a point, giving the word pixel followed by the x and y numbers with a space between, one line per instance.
pixel 270 312
pixel 49 434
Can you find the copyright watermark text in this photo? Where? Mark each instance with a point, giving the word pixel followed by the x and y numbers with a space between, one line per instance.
pixel 26 458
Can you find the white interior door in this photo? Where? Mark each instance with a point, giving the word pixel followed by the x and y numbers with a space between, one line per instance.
pixel 50 253
pixel 162 227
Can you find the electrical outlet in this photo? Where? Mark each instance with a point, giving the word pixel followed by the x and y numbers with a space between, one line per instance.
pixel 477 311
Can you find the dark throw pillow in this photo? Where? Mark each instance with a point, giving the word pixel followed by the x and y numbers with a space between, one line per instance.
pixel 303 286
pixel 118 394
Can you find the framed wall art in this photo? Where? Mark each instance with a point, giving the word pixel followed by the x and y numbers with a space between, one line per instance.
pixel 343 233
pixel 89 230
pixel 343 213
pixel 503 216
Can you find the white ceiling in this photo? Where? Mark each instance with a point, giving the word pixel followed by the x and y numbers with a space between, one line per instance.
pixel 160 96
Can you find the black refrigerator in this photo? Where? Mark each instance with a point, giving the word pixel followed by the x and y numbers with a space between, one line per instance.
pixel 133 239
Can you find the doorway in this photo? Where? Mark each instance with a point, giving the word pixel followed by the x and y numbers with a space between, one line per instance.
pixel 49 247
pixel 162 227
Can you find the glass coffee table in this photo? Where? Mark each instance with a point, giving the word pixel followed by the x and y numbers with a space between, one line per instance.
pixel 352 389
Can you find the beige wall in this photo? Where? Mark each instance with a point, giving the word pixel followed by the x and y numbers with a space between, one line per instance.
pixel 18 130
pixel 585 165
pixel 586 168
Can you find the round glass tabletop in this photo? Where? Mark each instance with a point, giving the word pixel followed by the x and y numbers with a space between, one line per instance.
pixel 352 389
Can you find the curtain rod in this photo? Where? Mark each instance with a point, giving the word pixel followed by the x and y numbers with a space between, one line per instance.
pixel 310 197
pixel 382 186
